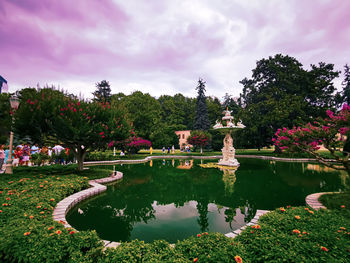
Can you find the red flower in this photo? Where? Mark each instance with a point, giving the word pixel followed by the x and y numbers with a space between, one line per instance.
pixel 297 217
pixel 296 231
pixel 324 248
pixel 238 259
pixel 195 259
pixel 31 217
pixel 342 206
pixel 52 199
pixel 58 232
pixel 0 211
pixel 26 233
pixel 72 232
pixel 199 235
pixel 50 228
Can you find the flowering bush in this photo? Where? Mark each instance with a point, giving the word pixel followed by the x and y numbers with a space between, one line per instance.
pixel 132 145
pixel 325 132
pixel 199 139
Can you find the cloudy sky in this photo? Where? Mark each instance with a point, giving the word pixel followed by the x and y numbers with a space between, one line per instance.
pixel 163 46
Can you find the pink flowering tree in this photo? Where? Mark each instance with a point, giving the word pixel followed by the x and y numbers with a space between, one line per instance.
pixel 199 139
pixel 132 144
pixel 329 132
pixel 48 116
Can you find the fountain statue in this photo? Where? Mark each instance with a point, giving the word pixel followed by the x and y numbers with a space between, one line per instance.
pixel 228 151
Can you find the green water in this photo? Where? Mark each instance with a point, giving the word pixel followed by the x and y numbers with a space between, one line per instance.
pixel 174 199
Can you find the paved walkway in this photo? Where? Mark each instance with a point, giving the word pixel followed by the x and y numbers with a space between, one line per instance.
pixel 312 200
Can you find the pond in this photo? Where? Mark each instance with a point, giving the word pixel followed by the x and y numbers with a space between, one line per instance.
pixel 174 199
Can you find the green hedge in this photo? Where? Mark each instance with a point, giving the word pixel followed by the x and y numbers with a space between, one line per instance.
pixel 29 234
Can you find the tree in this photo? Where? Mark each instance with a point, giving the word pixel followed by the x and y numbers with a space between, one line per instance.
pixel 201 121
pixel 144 112
pixel 49 116
pixel 346 85
pixel 102 92
pixel 164 136
pixel 199 139
pixel 230 103
pixel 5 117
pixel 281 93
pixel 308 138
pixel 214 109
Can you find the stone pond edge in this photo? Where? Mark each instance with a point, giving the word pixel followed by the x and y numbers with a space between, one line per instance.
pixel 65 205
pixel 312 200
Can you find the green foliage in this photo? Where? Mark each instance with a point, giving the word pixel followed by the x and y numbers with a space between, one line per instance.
pixel 214 109
pixel 164 136
pixel 201 121
pixel 30 234
pixel 212 247
pixel 346 86
pixel 48 115
pixel 5 117
pixel 337 201
pixel 275 240
pixel 282 94
pixel 143 112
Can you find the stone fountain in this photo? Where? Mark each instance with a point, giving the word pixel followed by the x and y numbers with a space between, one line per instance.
pixel 228 151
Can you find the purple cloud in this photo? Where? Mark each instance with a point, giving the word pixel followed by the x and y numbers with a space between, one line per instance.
pixel 163 46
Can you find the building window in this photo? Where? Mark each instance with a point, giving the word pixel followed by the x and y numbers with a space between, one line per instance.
pixel 183 136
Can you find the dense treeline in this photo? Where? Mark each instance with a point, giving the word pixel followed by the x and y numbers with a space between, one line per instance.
pixel 280 93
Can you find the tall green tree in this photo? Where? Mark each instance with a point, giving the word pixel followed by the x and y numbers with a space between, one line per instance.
pixel 346 85
pixel 201 121
pixel 214 109
pixel 102 92
pixel 5 117
pixel 282 94
pixel 144 112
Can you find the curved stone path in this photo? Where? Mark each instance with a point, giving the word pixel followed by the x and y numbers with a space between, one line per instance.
pixel 252 222
pixel 312 200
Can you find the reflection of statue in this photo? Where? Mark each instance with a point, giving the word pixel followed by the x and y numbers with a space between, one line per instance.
pixel 229 179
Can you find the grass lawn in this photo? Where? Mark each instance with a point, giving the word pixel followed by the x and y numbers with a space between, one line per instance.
pixel 29 234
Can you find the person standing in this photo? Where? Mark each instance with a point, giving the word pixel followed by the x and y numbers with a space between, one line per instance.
pixel 150 150
pixel 7 153
pixel 35 149
pixel 2 156
pixel 26 154
pixel 57 150
pixel 168 149
pixel 163 150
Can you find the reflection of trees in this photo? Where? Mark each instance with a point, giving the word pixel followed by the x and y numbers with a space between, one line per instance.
pixel 202 208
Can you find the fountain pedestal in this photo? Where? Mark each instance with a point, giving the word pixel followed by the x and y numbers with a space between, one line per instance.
pixel 228 152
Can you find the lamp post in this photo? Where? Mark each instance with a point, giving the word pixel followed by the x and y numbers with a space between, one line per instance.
pixel 14 101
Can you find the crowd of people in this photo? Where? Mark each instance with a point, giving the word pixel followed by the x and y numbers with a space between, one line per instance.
pixel 25 154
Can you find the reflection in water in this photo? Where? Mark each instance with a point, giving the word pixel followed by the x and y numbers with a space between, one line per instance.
pixel 150 163
pixel 229 178
pixel 159 201
pixel 185 164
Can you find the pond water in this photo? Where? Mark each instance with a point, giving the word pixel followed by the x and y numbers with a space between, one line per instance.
pixel 174 199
